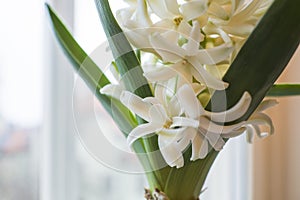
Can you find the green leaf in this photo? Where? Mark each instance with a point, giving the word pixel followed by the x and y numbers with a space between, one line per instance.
pixel 263 57
pixel 95 79
pixel 90 73
pixel 132 75
pixel 126 60
pixel 257 66
pixel 281 90
pixel 82 63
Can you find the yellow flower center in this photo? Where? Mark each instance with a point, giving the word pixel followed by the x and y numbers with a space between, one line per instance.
pixel 177 20
pixel 168 124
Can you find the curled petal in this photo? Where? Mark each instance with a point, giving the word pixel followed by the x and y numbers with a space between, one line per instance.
pixel 234 113
pixel 184 122
pixel 250 134
pixel 264 105
pixel 141 131
pixel 208 126
pixel 262 119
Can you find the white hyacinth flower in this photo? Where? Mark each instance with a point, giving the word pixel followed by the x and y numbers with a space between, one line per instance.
pixel 188 60
pixel 240 19
pixel 179 122
pixel 173 19
pixel 164 118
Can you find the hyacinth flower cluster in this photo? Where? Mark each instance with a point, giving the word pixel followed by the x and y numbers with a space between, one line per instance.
pixel 185 49
pixel 187 76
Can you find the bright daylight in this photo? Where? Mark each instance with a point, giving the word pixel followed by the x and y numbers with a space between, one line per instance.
pixel 150 100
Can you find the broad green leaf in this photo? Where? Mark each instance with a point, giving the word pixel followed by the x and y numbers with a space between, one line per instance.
pixel 257 66
pixel 263 57
pixel 281 90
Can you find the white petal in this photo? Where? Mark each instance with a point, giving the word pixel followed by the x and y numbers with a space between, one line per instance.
pixel 160 74
pixel 242 30
pixel 249 134
pixel 218 11
pixel 197 145
pixel 174 108
pixel 264 105
pixel 193 9
pixel 189 102
pixel 184 122
pixel 215 55
pixel 203 149
pixel 158 114
pixel 234 113
pixel 159 8
pixel 184 28
pixel 167 50
pixel 215 140
pixel 188 136
pixel 136 104
pixel 172 6
pixel 123 15
pixel 142 15
pixel 192 46
pixel 172 35
pixel 161 94
pixel 151 100
pixel 262 119
pixel 247 11
pixel 212 29
pixel 204 77
pixel 141 131
pixel 139 38
pixel 208 126
pixel 164 25
pixel 112 90
pixel 170 152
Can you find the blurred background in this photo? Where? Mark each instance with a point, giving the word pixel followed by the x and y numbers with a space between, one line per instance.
pixel 42 156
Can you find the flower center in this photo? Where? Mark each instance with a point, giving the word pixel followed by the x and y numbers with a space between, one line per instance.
pixel 167 124
pixel 177 20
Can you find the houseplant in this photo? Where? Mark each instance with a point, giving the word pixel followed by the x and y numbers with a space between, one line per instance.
pixel 192 107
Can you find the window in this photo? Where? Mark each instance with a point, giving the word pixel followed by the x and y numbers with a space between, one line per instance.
pixel 21 71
